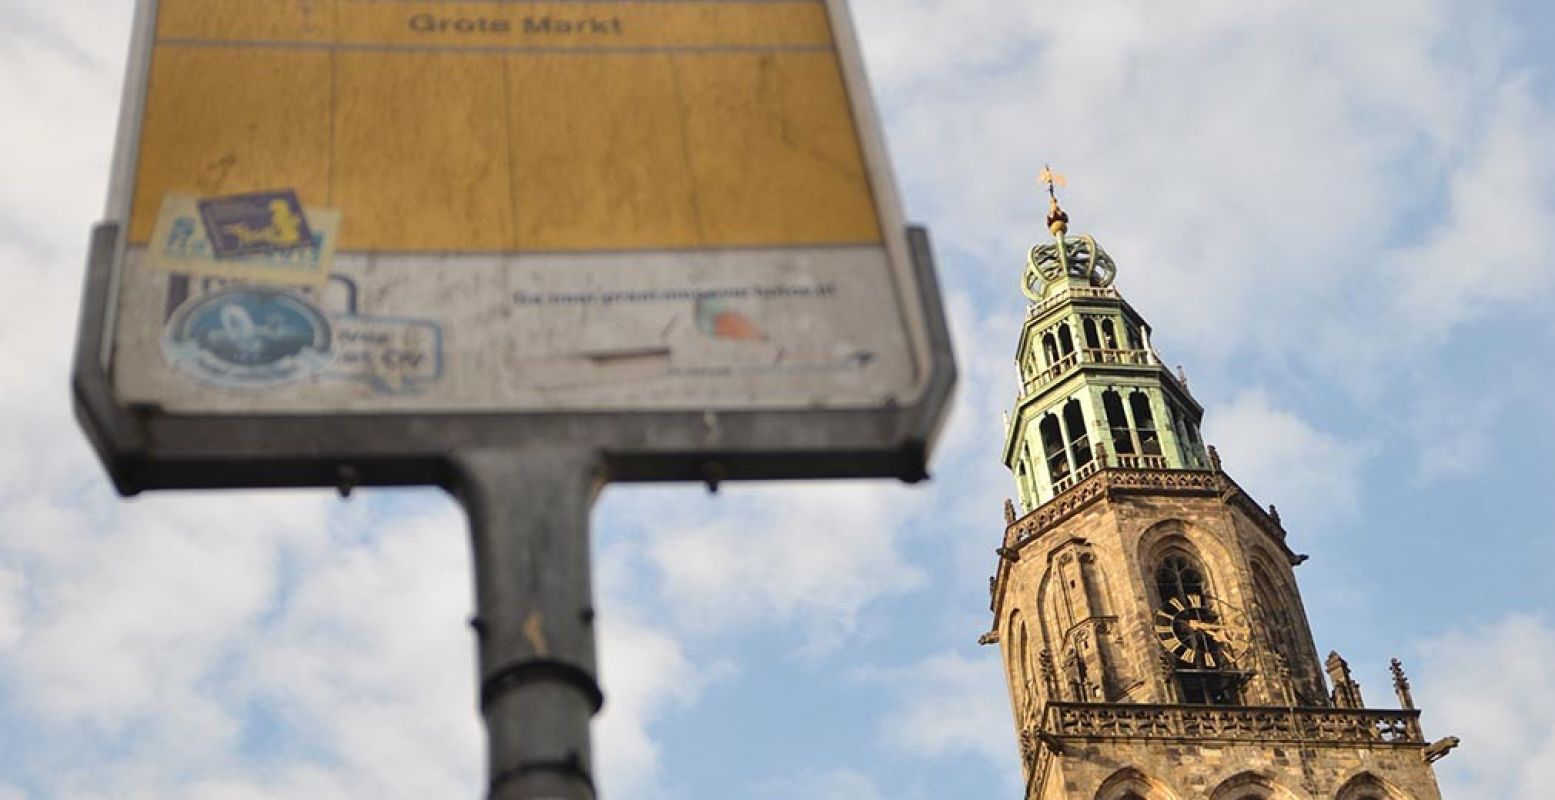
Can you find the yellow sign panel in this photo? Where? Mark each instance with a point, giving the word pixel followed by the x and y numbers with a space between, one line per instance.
pixel 519 127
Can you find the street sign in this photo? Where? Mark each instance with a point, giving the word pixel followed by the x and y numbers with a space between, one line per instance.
pixel 350 235
pixel 518 250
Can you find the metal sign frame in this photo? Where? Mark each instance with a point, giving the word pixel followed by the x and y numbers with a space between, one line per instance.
pixel 147 447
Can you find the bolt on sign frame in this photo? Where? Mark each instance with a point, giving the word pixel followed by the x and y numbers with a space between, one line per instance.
pixel 518 250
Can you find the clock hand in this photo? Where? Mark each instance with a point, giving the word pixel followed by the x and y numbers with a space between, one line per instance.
pixel 1212 626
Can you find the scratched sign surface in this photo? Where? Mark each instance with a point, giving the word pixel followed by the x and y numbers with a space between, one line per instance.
pixel 528 205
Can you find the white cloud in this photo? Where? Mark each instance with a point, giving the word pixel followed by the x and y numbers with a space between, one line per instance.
pixel 198 571
pixel 1493 249
pixel 814 555
pixel 1492 687
pixel 158 634
pixel 949 705
pixel 645 674
pixel 1280 458
pixel 13 592
pixel 59 68
pixel 370 638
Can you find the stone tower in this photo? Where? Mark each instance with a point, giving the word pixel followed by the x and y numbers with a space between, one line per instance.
pixel 1153 637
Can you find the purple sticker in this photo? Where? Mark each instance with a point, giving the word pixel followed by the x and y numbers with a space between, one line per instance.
pixel 263 222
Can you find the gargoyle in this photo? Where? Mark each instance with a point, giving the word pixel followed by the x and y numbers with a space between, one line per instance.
pixel 1439 749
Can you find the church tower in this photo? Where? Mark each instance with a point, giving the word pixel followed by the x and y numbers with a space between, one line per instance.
pixel 1145 605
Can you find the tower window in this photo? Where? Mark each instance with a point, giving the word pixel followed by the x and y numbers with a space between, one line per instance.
pixel 1027 484
pixel 1187 439
pixel 1149 443
pixel 1117 422
pixel 1092 340
pixel 1109 335
pixel 1134 342
pixel 1050 348
pixel 1278 625
pixel 1053 448
pixel 1079 440
pixel 1065 340
pixel 1178 577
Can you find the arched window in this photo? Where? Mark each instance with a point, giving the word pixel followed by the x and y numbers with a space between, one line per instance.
pixel 1250 786
pixel 1178 577
pixel 1092 340
pixel 1278 625
pixel 1023 656
pixel 1053 448
pixel 1019 658
pixel 1117 423
pixel 1109 335
pixel 1131 784
pixel 1187 434
pixel 1079 440
pixel 1050 348
pixel 1144 421
pixel 1065 339
pixel 1366 786
pixel 1186 622
pixel 1134 341
pixel 1029 475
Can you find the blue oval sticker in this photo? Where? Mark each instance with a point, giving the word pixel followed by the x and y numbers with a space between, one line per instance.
pixel 249 337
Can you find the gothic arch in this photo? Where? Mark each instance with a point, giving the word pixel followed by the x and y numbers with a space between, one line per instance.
pixel 1078 630
pixel 1174 534
pixel 1131 784
pixel 1018 653
pixel 1250 786
pixel 1187 566
pixel 1278 609
pixel 1051 617
pixel 1367 786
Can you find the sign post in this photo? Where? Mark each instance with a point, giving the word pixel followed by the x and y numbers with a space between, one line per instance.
pixel 534 618
pixel 517 250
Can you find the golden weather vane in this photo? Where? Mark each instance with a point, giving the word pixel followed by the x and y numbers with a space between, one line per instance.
pixel 1063 259
pixel 1057 219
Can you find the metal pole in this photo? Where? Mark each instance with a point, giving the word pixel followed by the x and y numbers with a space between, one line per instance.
pixel 529 516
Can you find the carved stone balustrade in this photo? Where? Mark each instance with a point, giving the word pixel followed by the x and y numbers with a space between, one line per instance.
pixel 1234 723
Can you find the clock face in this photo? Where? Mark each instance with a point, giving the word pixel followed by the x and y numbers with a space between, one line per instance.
pixel 1200 633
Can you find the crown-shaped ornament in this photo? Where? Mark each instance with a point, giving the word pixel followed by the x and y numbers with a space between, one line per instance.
pixel 1080 257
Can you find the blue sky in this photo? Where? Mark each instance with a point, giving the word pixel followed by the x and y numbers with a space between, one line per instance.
pixel 1339 218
